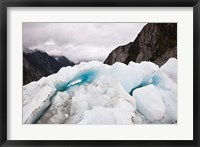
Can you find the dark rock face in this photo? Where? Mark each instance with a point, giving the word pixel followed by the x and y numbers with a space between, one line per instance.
pixel 37 64
pixel 63 61
pixel 156 42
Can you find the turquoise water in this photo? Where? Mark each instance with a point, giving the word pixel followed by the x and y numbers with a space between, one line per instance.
pixel 86 76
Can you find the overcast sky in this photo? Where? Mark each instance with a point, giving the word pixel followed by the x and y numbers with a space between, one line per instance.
pixel 79 41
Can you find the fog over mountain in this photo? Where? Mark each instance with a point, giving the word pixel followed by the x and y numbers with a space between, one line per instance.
pixel 79 41
pixel 38 64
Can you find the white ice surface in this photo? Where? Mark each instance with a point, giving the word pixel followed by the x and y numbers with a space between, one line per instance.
pixel 149 102
pixel 106 100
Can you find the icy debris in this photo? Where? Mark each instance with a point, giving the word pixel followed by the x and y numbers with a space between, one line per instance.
pixel 36 98
pixel 107 116
pixel 96 93
pixel 59 110
pixel 170 68
pixel 170 101
pixel 149 96
pixel 129 78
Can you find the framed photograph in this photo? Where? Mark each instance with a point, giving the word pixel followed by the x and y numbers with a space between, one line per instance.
pixel 82 73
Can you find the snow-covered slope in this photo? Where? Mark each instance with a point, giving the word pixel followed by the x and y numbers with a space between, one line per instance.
pixel 96 93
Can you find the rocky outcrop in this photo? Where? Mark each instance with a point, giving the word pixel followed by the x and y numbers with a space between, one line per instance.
pixel 156 42
pixel 64 61
pixel 37 64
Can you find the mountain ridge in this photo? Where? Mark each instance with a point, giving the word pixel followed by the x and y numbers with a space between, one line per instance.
pixel 156 42
pixel 37 64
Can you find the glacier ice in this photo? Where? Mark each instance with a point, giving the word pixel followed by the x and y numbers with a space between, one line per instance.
pixel 150 96
pixel 36 101
pixel 81 78
pixel 96 93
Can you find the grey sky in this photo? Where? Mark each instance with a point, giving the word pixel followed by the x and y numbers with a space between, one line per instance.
pixel 79 41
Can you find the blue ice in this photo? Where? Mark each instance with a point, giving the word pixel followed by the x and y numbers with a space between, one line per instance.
pixel 146 81
pixel 86 76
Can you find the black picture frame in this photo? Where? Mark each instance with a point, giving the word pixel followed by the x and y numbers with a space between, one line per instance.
pixel 4 4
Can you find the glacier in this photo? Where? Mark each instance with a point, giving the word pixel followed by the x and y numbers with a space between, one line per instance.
pixel 97 93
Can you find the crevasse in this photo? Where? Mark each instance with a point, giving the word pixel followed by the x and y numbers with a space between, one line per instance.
pixel 83 77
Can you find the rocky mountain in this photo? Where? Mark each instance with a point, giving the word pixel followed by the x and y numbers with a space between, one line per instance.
pixel 156 42
pixel 64 61
pixel 37 64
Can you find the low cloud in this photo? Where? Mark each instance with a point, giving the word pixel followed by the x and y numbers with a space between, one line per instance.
pixel 79 41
